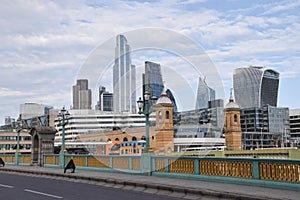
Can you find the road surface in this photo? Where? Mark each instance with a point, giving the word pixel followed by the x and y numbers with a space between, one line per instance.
pixel 14 187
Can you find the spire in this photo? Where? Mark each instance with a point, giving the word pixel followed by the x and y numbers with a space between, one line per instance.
pixel 164 92
pixel 231 96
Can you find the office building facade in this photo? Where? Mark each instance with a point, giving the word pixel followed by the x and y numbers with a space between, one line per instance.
pixel 30 110
pixel 255 86
pixel 96 121
pixel 204 95
pixel 124 78
pixel 105 102
pixel 295 127
pixel 265 127
pixel 82 95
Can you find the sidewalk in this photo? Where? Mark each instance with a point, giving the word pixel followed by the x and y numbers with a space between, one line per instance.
pixel 182 188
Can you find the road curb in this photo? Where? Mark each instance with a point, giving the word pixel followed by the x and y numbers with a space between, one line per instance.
pixel 169 190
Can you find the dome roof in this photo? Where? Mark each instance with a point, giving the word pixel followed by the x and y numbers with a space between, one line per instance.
pixel 164 99
pixel 232 105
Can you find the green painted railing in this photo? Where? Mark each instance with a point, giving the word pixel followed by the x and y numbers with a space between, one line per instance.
pixel 107 163
pixel 280 173
pixel 264 172
pixel 273 172
pixel 10 159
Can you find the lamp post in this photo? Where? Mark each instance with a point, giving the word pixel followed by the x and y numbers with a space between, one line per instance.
pixel 144 108
pixel 261 138
pixel 282 144
pixel 17 154
pixel 285 138
pixel 63 116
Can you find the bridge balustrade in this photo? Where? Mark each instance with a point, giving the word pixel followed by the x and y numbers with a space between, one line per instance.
pixel 24 159
pixel 259 171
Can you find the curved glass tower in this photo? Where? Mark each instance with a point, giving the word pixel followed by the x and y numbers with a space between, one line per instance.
pixel 204 95
pixel 255 86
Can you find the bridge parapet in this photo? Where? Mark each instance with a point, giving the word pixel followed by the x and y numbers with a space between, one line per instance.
pixel 280 173
pixel 24 159
pixel 277 172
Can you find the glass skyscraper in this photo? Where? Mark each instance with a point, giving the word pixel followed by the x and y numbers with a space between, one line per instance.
pixel 153 81
pixel 255 86
pixel 124 78
pixel 204 95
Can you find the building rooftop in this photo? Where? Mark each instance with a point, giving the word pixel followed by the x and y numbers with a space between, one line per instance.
pixel 164 99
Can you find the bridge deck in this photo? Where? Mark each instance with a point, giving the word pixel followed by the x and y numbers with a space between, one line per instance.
pixel 192 189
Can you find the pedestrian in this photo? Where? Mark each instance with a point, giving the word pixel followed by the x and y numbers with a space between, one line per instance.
pixel 70 165
pixel 2 163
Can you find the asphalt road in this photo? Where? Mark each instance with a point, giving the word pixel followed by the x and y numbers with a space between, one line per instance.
pixel 14 187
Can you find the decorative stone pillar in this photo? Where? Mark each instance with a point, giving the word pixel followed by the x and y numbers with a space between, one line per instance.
pixel 42 138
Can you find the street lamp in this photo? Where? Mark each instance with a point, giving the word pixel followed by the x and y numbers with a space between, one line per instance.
pixel 282 144
pixel 261 137
pixel 285 138
pixel 144 108
pixel 17 154
pixel 63 117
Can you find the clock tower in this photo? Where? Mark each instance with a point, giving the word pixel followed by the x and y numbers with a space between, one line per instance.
pixel 163 138
pixel 232 125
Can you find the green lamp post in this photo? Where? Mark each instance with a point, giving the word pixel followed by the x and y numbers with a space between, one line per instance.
pixel 63 117
pixel 144 108
pixel 17 154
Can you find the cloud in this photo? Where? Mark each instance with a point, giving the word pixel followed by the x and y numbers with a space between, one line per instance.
pixel 282 6
pixel 45 43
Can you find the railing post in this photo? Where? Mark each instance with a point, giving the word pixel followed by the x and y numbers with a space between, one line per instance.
pixel 145 163
pixel 196 166
pixel 166 165
pixel 255 169
pixel 110 162
pixel 130 163
pixel 86 160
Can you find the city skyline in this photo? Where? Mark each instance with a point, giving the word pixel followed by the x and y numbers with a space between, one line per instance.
pixel 41 54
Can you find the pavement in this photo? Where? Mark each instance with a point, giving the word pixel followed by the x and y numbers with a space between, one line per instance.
pixel 176 187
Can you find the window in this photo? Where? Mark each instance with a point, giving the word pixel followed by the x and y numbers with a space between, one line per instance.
pixel 167 114
pixel 235 118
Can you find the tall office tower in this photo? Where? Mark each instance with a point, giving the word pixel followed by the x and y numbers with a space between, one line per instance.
pixel 124 78
pixel 82 96
pixel 255 86
pixel 204 95
pixel 105 102
pixel 152 79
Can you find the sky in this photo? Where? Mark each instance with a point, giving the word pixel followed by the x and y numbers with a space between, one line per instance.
pixel 47 45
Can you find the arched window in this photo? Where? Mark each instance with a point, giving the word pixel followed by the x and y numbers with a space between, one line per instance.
pixel 235 118
pixel 117 139
pixel 167 114
pixel 134 138
pixel 143 138
pixel 125 139
pixel 159 115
